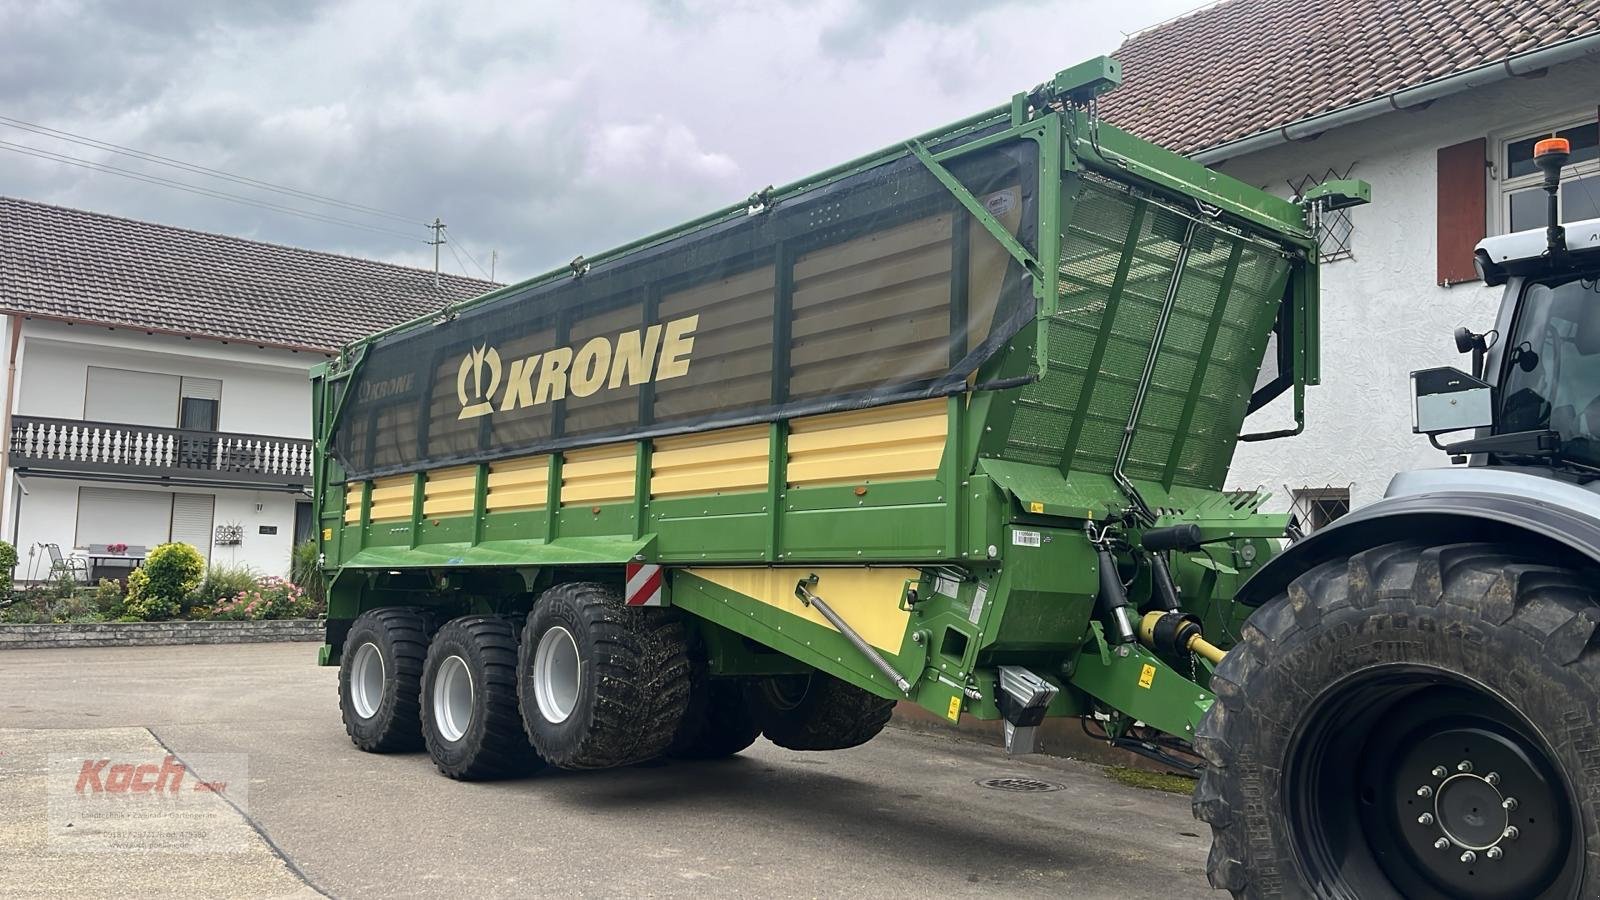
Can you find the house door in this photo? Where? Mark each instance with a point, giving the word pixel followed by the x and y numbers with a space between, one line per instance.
pixel 191 520
pixel 302 523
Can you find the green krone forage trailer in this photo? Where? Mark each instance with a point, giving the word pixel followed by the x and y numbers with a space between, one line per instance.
pixel 948 424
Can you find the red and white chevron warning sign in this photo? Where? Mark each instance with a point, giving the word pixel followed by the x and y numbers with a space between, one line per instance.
pixel 644 584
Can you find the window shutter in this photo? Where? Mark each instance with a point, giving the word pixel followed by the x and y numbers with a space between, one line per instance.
pixel 1462 208
pixel 191 520
pixel 201 388
pixel 114 516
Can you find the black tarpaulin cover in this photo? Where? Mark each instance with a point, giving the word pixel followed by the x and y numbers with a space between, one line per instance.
pixel 873 289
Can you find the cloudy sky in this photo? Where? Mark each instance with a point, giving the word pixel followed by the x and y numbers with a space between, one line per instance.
pixel 540 130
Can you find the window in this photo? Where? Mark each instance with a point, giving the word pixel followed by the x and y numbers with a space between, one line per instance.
pixel 1315 508
pixel 1522 199
pixel 129 397
pixel 199 400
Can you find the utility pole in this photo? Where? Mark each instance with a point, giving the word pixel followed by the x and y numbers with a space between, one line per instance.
pixel 494 257
pixel 438 238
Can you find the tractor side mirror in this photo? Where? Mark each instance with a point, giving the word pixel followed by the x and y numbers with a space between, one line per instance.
pixel 1447 399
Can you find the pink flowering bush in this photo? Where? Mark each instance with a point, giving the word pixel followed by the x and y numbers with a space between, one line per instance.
pixel 271 598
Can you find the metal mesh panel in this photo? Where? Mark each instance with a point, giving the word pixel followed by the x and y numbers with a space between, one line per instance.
pixel 1230 374
pixel 1119 260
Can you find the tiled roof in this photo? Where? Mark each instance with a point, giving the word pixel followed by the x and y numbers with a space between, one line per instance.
pixel 1246 66
pixel 82 266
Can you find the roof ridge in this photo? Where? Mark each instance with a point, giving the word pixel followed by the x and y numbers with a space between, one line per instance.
pixel 1204 7
pixel 243 240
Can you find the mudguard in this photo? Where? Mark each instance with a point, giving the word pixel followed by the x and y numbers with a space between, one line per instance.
pixel 1443 517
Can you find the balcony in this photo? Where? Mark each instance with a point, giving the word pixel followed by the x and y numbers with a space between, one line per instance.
pixel 140 452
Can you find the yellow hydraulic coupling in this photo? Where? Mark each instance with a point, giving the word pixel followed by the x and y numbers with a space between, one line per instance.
pixel 1175 632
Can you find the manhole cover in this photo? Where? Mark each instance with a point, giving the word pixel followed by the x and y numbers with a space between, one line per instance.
pixel 1020 785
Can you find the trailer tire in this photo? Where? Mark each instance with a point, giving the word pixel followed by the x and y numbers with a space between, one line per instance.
pixel 1384 721
pixel 718 722
pixel 816 711
pixel 470 719
pixel 380 678
pixel 601 683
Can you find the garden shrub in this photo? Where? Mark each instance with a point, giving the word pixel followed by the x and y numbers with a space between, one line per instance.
pixel 158 589
pixel 271 598
pixel 304 571
pixel 8 565
pixel 221 583
pixel 108 598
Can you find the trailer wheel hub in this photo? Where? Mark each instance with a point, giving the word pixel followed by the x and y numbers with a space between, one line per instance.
pixel 557 674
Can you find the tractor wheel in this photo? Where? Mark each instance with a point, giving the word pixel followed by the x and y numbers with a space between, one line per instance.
pixel 601 683
pixel 1410 721
pixel 816 711
pixel 470 721
pixel 718 722
pixel 380 679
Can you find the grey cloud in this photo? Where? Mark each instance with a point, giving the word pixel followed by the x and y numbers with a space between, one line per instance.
pixel 538 130
pixel 870 25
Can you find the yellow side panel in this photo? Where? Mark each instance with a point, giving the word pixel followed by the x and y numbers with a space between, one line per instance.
pixel 352 502
pixel 391 497
pixel 728 459
pixel 518 484
pixel 880 444
pixel 449 492
pixel 868 599
pixel 599 474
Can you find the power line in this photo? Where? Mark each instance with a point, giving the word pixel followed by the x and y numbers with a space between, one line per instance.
pixel 196 189
pixel 474 259
pixel 86 141
pixel 459 263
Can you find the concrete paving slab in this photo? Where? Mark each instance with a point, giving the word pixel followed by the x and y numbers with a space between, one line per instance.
pixel 899 817
pixel 69 831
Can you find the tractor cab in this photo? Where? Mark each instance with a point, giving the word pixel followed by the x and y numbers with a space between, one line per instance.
pixel 1532 399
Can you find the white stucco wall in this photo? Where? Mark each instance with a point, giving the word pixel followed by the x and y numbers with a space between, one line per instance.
pixel 48 514
pixel 1383 315
pixel 264 391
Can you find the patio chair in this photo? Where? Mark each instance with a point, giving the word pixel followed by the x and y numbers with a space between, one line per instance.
pixel 75 567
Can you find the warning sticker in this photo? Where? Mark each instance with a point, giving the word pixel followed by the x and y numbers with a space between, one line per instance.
pixel 1147 676
pixel 955 709
pixel 999 204
pixel 1023 538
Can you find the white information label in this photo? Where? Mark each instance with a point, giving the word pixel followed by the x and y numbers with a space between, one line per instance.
pixel 978 596
pixel 1025 538
pixel 947 586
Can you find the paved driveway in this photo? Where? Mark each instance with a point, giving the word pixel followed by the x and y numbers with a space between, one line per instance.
pixel 899 817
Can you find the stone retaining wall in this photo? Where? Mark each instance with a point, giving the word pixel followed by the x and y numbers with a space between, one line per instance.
pixel 126 634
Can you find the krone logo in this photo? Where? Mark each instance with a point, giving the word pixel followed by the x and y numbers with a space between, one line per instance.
pixel 605 362
pixel 477 380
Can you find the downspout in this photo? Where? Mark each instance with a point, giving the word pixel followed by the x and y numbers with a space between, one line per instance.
pixel 5 435
pixel 1408 98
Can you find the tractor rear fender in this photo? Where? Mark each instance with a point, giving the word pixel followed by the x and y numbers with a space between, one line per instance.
pixel 1558 532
